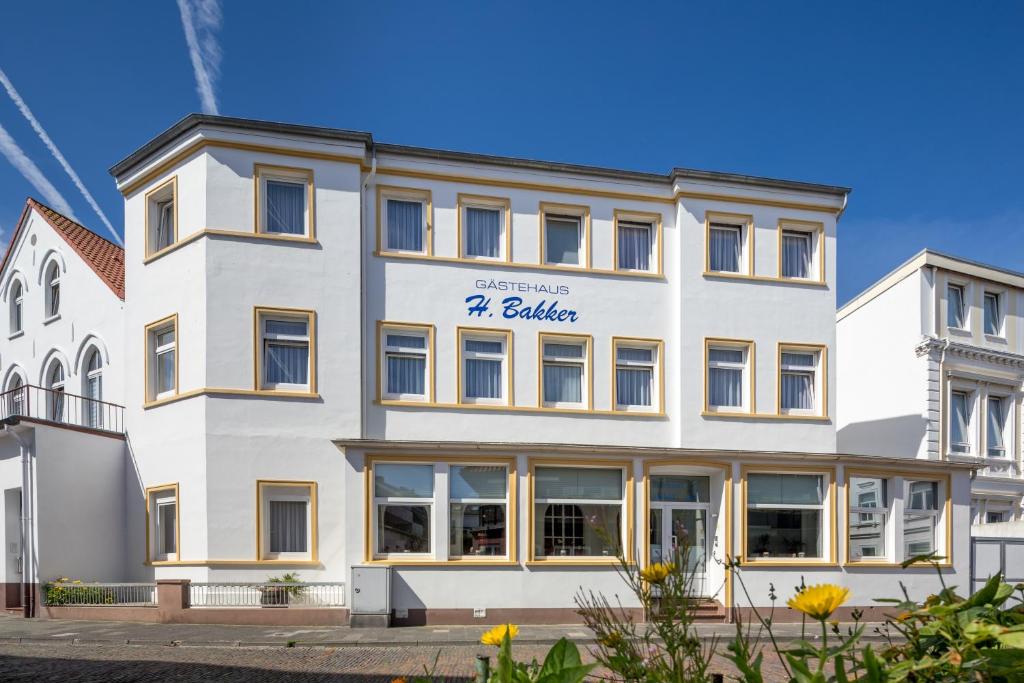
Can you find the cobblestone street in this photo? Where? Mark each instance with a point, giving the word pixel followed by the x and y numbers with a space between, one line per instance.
pixel 89 663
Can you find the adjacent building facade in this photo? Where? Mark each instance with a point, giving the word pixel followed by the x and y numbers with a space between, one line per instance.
pixel 486 371
pixel 938 346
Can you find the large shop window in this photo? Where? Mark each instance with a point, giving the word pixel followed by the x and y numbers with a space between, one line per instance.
pixel 285 354
pixel 868 517
pixel 163 523
pixel 484 368
pixel 786 516
pixel 578 512
pixel 407 362
pixel 637 379
pixel 565 372
pixel 478 511
pixel 285 205
pixel 405 219
pixel 287 520
pixel 403 501
pixel 920 518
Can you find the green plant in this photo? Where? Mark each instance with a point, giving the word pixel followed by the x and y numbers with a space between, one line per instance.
pixel 562 664
pixel 283 582
pixel 65 591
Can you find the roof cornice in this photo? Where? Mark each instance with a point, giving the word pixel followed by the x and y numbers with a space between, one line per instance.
pixel 969 352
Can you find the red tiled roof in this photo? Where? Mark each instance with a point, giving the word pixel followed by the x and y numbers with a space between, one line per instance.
pixel 103 256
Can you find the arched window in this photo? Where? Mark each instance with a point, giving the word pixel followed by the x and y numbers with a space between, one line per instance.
pixel 14 396
pixel 17 299
pixel 53 290
pixel 94 390
pixel 55 384
pixel 564 530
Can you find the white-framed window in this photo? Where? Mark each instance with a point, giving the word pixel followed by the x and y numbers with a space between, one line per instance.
pixel 637 379
pixel 286 342
pixel 960 411
pixel 52 290
pixel 406 363
pixel 55 394
pixel 786 515
pixel 728 379
pixel 868 520
pixel 801 381
pixel 956 307
pixel 478 511
pixel 285 200
pixel 483 227
pixel 17 307
pixel 484 366
pixel 636 246
pixel 997 410
pixel 15 395
pixel 578 512
pixel 405 221
pixel 920 518
pixel 162 361
pixel 163 523
pixel 403 509
pixel 993 314
pixel 725 247
pixel 797 259
pixel 161 216
pixel 564 240
pixel 287 520
pixel 565 372
pixel 94 412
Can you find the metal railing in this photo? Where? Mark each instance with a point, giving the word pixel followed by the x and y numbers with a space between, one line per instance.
pixel 271 594
pixel 59 407
pixel 79 594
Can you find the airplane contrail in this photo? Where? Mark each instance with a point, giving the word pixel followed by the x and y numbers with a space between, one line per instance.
pixel 10 149
pixel 200 19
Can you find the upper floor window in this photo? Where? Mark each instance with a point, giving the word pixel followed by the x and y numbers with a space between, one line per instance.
pixel 724 248
pixel 407 362
pixel 163 523
pixel 993 314
pixel 960 422
pixel 801 250
pixel 161 216
pixel 565 376
pixel 285 201
pixel 956 311
pixel 55 385
pixel 565 235
pixel 53 290
pixel 484 362
pixel 17 307
pixel 636 248
pixel 94 389
pixel 801 380
pixel 286 349
pixel 997 412
pixel 728 376
pixel 405 219
pixel 15 395
pixel 484 229
pixel 162 362
pixel 636 376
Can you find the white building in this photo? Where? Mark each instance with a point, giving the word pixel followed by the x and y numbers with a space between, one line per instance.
pixel 491 374
pixel 947 336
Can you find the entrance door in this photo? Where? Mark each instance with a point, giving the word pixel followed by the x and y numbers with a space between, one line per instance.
pixel 679 533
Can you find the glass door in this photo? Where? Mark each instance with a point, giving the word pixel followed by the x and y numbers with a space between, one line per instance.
pixel 683 540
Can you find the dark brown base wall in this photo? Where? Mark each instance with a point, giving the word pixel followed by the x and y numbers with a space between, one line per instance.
pixel 12 595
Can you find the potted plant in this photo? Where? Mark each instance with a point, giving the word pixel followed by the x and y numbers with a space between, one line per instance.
pixel 279 590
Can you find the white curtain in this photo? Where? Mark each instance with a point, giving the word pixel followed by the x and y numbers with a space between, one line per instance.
pixel 483 378
pixel 286 363
pixel 406 374
pixel 288 526
pixel 405 225
pixel 562 241
pixel 563 383
pixel 724 250
pixel 725 387
pixel 483 232
pixel 796 255
pixel 633 386
pixel 286 208
pixel 958 426
pixel 634 247
pixel 995 426
pixel 797 391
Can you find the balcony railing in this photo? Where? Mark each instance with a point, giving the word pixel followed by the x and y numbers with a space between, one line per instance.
pixel 59 407
pixel 272 594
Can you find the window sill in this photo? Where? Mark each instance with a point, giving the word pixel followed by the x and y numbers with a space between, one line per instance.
pixel 236 234
pixel 52 318
pixel 160 252
pixel 958 331
pixel 582 562
pixel 15 335
pixel 764 278
pixel 444 563
pixel 791 562
pixel 996 339
pixel 893 565
pixel 518 409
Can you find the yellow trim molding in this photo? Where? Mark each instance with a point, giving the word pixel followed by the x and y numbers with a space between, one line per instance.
pixel 822 369
pixel 311 486
pixel 232 234
pixel 829 555
pixel 464 201
pixel 512 504
pixel 284 172
pixel 655 219
pixel 658 346
pixel 814 228
pixel 382 326
pixel 177 522
pixel 485 332
pixel 740 220
pixel 149 253
pixel 148 343
pixel 751 349
pixel 589 463
pixel 259 313
pixel 586 339
pixel 385 192
pixel 575 210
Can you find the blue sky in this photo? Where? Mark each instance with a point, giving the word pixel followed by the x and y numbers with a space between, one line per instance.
pixel 918 106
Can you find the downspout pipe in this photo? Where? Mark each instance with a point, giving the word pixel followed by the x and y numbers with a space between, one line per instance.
pixel 362 290
pixel 27 525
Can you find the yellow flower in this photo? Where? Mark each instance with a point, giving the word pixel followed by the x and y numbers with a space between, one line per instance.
pixel 497 634
pixel 657 572
pixel 819 602
pixel 400 679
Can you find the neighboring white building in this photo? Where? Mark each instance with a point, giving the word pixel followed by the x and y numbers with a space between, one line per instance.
pixel 490 374
pixel 931 365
